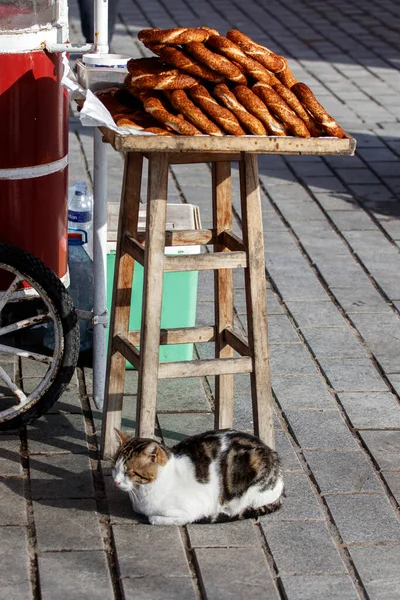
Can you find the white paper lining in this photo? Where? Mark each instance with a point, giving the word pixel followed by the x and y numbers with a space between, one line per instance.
pixel 93 112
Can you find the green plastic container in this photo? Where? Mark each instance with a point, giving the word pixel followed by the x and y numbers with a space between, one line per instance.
pixel 179 289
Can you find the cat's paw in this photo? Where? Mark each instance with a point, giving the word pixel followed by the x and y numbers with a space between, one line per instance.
pixel 161 520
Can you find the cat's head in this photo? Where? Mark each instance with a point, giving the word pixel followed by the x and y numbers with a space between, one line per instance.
pixel 137 461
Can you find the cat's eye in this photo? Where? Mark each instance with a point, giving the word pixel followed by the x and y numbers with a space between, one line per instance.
pixel 133 473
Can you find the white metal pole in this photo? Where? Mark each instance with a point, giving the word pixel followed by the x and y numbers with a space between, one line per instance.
pixel 101 26
pixel 100 227
pixel 99 268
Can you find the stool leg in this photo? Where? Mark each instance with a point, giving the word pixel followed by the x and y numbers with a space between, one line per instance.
pixel 256 299
pixel 152 294
pixel 121 303
pixel 223 286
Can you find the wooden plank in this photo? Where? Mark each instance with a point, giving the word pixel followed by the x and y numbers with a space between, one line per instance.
pixel 223 286
pixel 184 237
pixel 177 237
pixel 256 299
pixel 133 248
pixel 184 158
pixel 179 335
pixel 206 261
pixel 236 341
pixel 231 144
pixel 201 368
pixel 121 303
pixel 128 350
pixel 156 214
pixel 231 241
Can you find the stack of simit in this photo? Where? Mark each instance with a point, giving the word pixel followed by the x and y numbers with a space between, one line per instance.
pixel 201 82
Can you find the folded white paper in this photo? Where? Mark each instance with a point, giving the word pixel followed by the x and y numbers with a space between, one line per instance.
pixel 93 112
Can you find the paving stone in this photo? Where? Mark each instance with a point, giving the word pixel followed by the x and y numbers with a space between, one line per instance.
pixel 235 534
pixel 14 563
pixel 300 502
pixel 12 502
pixel 157 549
pixel 10 459
pixel 361 300
pixel 281 331
pixel 289 460
pixel 69 402
pixel 341 271
pixel 298 392
pixel 119 505
pixel 372 410
pixel 382 264
pixel 352 374
pixel 364 518
pixel 33 368
pixel 387 354
pixel 390 285
pixel 234 574
pixel 341 471
pixel 320 429
pixel 273 305
pixel 65 524
pixel 392 479
pixel 181 395
pixel 178 426
pixel 378 567
pixel 379 329
pixel 301 211
pixel 394 379
pixel 130 386
pixel 316 314
pixel 155 587
pixel 9 368
pixel 352 220
pixel 279 241
pixel 384 446
pixel 296 289
pixel 333 342
pixel 128 423
pixel 311 587
pixel 243 409
pixel 83 575
pixel 370 242
pixel 61 476
pixel 287 359
pixel 57 433
pixel 303 548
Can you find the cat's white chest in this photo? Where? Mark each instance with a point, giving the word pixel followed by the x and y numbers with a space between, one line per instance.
pixel 176 496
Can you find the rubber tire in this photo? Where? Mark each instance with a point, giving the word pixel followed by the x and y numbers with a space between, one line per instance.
pixel 30 266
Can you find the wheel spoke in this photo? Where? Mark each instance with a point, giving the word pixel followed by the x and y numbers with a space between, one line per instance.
pixel 25 354
pixel 25 323
pixel 8 293
pixel 13 388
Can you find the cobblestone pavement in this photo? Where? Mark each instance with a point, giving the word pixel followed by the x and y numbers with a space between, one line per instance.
pixel 332 234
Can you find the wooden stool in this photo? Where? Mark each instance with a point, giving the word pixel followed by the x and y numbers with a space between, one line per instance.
pixel 229 252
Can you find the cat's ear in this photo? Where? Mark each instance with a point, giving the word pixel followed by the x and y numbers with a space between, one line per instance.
pixel 151 451
pixel 156 453
pixel 121 436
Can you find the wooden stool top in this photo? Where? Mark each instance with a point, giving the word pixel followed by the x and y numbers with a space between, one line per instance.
pixel 229 144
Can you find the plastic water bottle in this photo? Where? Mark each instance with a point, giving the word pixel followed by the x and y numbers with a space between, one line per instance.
pixel 80 213
pixel 81 284
pixel 80 267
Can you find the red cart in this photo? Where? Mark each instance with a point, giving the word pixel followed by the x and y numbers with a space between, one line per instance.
pixel 33 213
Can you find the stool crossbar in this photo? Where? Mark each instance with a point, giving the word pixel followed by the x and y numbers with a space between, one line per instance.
pixel 230 252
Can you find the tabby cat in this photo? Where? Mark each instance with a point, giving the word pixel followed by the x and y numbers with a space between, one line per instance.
pixel 210 477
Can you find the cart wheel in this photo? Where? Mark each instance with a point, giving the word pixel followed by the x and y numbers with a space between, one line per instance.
pixel 34 307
